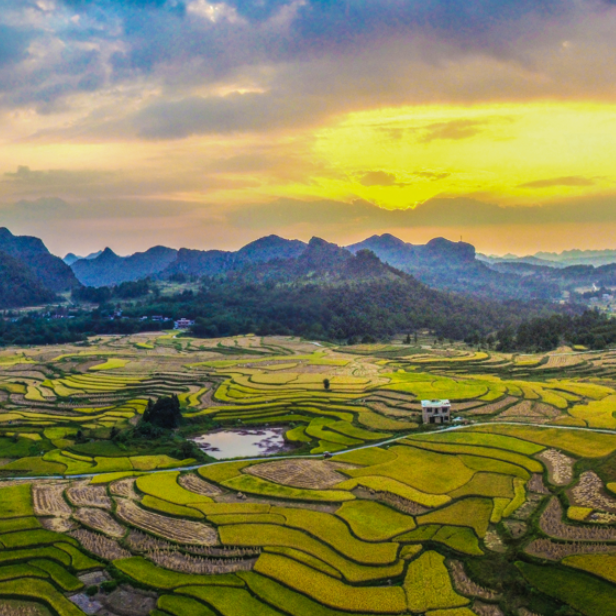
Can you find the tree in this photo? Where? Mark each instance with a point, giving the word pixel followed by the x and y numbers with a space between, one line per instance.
pixel 326 383
pixel 164 413
pixel 408 339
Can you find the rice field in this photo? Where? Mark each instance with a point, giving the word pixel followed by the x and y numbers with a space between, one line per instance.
pixel 396 517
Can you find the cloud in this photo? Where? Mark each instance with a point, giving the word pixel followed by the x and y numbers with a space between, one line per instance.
pixel 13 44
pixel 221 114
pixel 571 180
pixel 26 177
pixel 435 213
pixel 454 130
pixel 378 178
pixel 431 175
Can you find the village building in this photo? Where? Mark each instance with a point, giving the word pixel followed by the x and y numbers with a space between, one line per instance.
pixel 183 323
pixel 436 411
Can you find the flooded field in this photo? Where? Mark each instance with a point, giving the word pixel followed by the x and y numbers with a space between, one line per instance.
pixel 243 443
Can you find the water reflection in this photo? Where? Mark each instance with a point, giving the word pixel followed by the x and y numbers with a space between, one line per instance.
pixel 242 443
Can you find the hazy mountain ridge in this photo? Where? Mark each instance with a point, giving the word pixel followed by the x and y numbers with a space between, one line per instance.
pixel 110 269
pixel 50 271
pixel 440 263
pixel 565 258
pixel 71 257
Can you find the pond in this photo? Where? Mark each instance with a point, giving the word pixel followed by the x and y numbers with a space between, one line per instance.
pixel 243 443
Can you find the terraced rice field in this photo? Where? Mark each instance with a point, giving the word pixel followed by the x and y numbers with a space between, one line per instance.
pixel 394 519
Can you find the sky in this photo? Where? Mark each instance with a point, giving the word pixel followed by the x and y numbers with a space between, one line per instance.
pixel 188 123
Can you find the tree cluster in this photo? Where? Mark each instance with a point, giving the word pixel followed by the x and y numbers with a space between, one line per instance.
pixel 591 329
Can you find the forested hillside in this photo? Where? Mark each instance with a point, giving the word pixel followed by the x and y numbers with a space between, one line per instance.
pixel 19 286
pixel 49 270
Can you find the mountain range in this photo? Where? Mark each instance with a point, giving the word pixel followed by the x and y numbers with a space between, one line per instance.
pixel 29 273
pixel 566 258
pixel 36 275
pixel 440 263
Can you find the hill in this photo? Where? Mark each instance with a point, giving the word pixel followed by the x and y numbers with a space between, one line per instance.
pixel 50 271
pixel 19 286
pixel 328 292
pixel 70 258
pixel 109 269
pixel 453 265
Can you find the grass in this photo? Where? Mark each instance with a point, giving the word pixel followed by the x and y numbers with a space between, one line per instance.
pixel 164 486
pixel 472 512
pixel 27 538
pixel 146 572
pixel 230 601
pixel 348 429
pixel 531 465
pixel 597 414
pixel 263 535
pixel 580 443
pixel 603 565
pixel 585 593
pixel 111 364
pixel 486 484
pixel 79 561
pixel 65 580
pixel 371 521
pixel 256 485
pixel 40 590
pixel 335 532
pixel 386 484
pixel 457 538
pixel 219 473
pixel 518 500
pixel 49 553
pixel 183 606
pixel 246 518
pixel 427 471
pixel 428 586
pixel 165 507
pixel 16 501
pixel 317 429
pixel 330 591
pixel 298 435
pixel 508 443
pixel 284 598
pixel 306 559
pixel 491 465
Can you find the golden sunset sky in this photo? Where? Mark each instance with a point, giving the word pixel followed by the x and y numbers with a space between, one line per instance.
pixel 207 125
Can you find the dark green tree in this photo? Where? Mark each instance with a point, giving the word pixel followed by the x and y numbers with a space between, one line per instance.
pixel 164 413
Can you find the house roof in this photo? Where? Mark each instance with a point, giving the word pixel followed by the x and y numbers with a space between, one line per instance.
pixel 434 403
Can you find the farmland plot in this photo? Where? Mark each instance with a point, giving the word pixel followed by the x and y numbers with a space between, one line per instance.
pixel 383 526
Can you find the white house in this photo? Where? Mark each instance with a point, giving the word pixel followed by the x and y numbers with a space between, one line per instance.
pixel 436 411
pixel 183 323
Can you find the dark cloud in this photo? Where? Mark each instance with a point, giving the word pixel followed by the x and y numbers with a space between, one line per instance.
pixel 571 180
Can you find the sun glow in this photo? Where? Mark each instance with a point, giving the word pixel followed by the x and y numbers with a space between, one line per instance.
pixel 513 154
